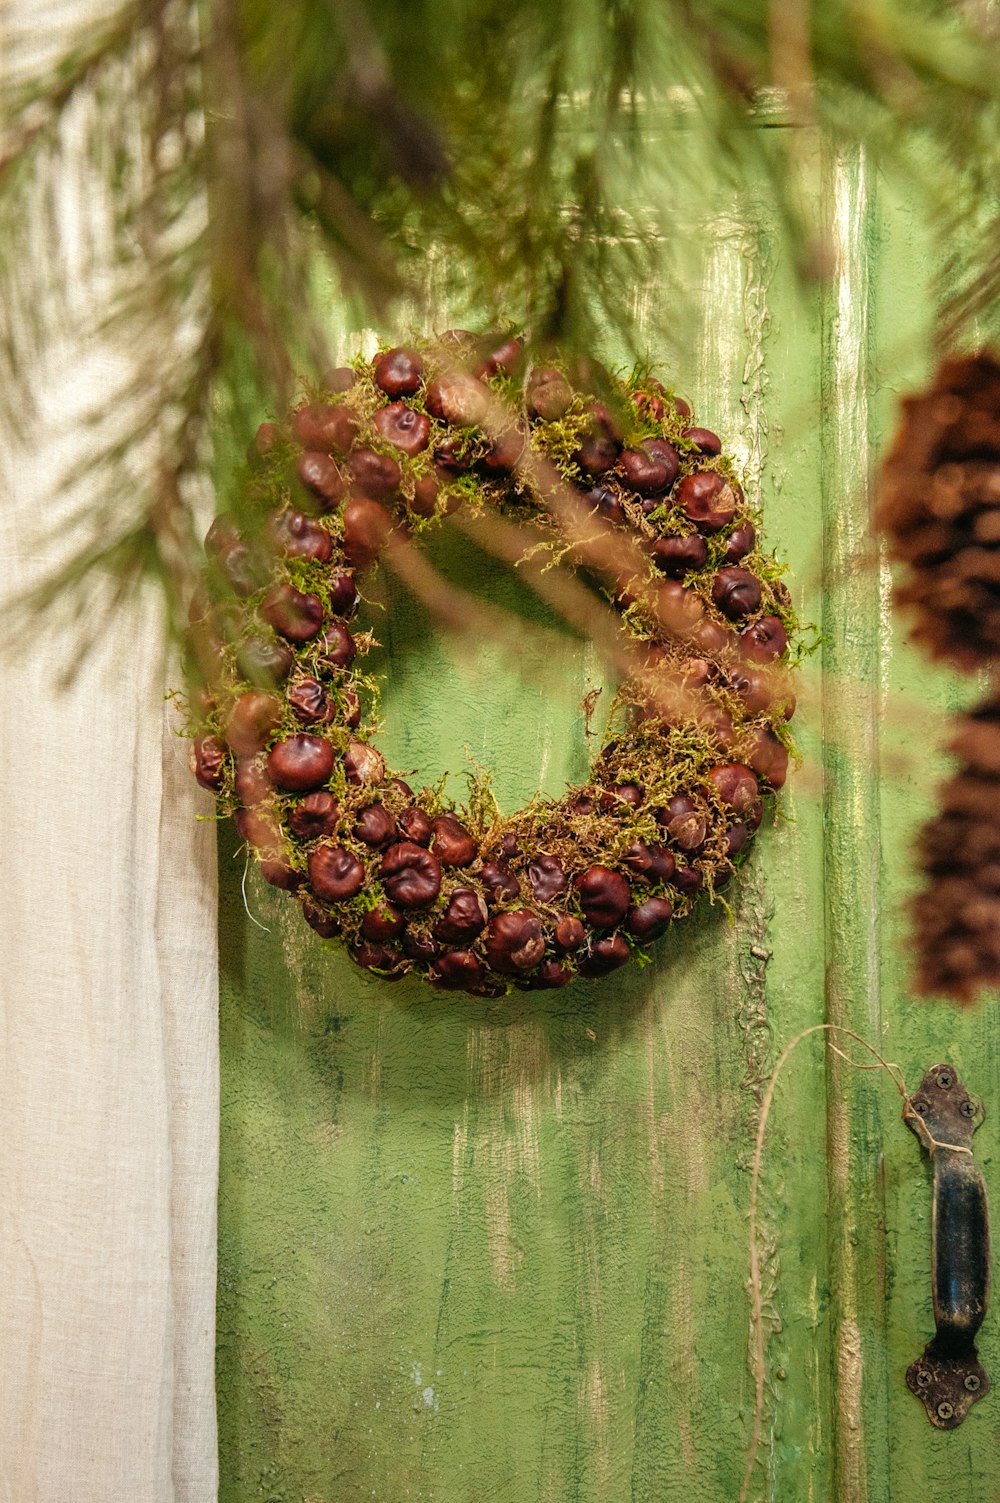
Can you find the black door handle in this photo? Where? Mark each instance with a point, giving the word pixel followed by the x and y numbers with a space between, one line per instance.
pixel 948 1378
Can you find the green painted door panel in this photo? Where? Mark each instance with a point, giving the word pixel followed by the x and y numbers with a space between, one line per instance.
pixel 476 1252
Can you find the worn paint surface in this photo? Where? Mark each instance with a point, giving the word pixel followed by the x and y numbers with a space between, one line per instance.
pixel 499 1253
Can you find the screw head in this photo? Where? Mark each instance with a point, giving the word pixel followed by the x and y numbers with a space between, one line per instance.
pixel 919 1105
pixel 973 1383
pixel 945 1411
pixel 968 1108
pixel 923 1378
pixel 945 1079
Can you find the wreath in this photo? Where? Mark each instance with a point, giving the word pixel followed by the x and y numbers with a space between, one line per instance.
pixel 610 471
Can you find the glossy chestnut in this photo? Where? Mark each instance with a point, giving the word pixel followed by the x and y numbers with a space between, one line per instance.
pixel 404 427
pixel 763 641
pixel 514 941
pixel 264 660
pixel 704 440
pixel 650 919
pixel 314 817
pixel 367 526
pixel 300 762
pixel 706 500
pixel 398 372
pixel 208 761
pixel 604 956
pixel 415 825
pixel 458 398
pixel 363 764
pixel 250 722
pixel 740 542
pixel 677 556
pixel 735 785
pixel 325 925
pixel 334 874
pixel 451 841
pixel 375 826
pixel 321 478
pixel 324 427
pixel 604 896
pixel 464 917
pixel 337 648
pixel 685 821
pixel 375 476
pixel 500 882
pixel 382 923
pixel 410 875
pixel 457 970
pixel 309 701
pixel 547 878
pixel 251 782
pixel 569 934
pixel 736 592
pixel 297 615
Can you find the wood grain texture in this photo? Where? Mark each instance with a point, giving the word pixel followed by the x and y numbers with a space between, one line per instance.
pixel 498 1252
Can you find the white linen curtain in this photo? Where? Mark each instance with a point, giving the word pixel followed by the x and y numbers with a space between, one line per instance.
pixel 108 1016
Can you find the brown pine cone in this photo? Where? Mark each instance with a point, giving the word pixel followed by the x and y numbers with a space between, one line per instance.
pixel 958 913
pixel 939 504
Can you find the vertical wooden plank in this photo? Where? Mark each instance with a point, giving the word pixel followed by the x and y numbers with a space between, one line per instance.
pixel 851 867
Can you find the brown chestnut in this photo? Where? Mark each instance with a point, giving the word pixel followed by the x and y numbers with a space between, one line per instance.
pixel 548 394
pixel 382 923
pixel 764 641
pixel 647 471
pixel 425 496
pixel 244 569
pixel 451 841
pixel 737 836
pixel 337 647
pixel 739 543
pixel 264 660
pixel 279 872
pixel 735 785
pixel 604 956
pixel 756 687
pixel 679 608
pixel 607 504
pixel 300 762
pixel 309 702
pixel 343 594
pixel 223 534
pixel 464 917
pixel 297 536
pixel 398 372
pixel 704 440
pixel 375 826
pixel 547 878
pixel 685 821
pixel 419 946
pixel 325 925
pixel 259 829
pixel 208 761
pixel 363 764
pixel 503 453
pixel 550 974
pixel 349 706
pixel 404 427
pixel 297 616
pixel 315 816
pixel 367 526
pixel 514 941
pixel 410 875
pixel 500 882
pixel 706 500
pixel 250 722
pixel 382 958
pixel 688 880
pixel 375 476
pixel 598 453
pixel 264 439
pixel 604 896
pixel 334 874
pixel 736 592
pixel 457 970
pixel 251 782
pixel 677 556
pixel 569 934
pixel 767 756
pixel 415 825
pixel 454 455
pixel 501 358
pixel 321 478
pixel 650 919
pixel 458 398
pixel 318 425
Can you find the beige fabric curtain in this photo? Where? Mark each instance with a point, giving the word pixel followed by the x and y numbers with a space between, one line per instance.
pixel 108 1011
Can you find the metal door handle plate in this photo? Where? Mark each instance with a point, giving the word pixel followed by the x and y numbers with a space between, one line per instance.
pixel 948 1378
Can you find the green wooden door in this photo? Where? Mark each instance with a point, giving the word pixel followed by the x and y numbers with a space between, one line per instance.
pixel 499 1252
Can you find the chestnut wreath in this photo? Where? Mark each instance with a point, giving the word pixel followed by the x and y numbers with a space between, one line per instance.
pixel 464 897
